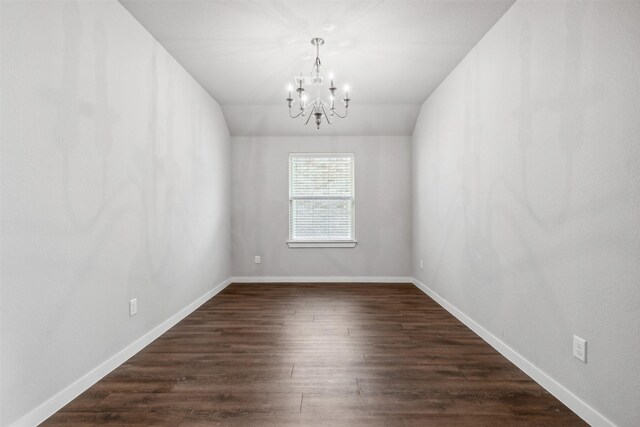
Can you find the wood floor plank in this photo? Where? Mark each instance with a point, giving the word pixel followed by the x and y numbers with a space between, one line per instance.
pixel 207 401
pixel 348 354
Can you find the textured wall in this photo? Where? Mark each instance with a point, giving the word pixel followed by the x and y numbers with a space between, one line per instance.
pixel 260 208
pixel 115 185
pixel 526 193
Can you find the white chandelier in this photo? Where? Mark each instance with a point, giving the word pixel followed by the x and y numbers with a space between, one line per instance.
pixel 317 108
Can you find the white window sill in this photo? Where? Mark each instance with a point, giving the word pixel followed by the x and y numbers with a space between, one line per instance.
pixel 323 244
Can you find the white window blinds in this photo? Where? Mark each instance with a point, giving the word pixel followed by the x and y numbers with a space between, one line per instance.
pixel 321 197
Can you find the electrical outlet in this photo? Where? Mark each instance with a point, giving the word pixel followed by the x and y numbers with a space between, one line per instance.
pixel 579 348
pixel 421 265
pixel 133 307
pixel 256 259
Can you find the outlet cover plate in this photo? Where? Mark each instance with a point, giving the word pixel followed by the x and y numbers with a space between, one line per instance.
pixel 133 307
pixel 580 348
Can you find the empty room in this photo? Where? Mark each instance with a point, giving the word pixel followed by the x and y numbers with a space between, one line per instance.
pixel 319 213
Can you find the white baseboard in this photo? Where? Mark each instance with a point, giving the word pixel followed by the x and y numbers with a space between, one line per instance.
pixel 320 279
pixel 573 402
pixel 54 404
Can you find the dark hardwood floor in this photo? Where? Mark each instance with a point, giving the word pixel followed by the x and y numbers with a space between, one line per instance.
pixel 317 354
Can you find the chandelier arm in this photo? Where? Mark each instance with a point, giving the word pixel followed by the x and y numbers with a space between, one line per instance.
pixel 310 114
pixel 346 111
pixel 325 115
pixel 296 116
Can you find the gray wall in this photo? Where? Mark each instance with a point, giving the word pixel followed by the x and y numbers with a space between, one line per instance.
pixel 115 185
pixel 260 208
pixel 526 193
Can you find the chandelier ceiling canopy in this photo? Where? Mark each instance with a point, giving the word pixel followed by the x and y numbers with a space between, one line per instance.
pixel 318 107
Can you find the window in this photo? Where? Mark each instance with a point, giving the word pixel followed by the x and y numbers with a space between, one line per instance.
pixel 321 200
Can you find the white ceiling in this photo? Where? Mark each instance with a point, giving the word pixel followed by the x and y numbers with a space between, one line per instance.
pixel 392 54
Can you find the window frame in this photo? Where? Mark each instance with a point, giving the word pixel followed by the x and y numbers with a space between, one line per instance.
pixel 292 243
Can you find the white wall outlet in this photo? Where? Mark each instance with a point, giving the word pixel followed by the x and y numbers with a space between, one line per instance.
pixel 256 259
pixel 133 307
pixel 421 264
pixel 579 348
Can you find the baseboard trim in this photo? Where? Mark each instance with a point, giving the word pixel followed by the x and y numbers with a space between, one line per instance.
pixel 573 402
pixel 54 404
pixel 320 279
